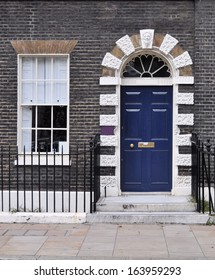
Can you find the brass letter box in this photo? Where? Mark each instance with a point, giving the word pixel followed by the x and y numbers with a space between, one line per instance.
pixel 146 144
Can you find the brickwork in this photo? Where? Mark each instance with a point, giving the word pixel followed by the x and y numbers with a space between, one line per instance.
pixel 204 74
pixel 96 26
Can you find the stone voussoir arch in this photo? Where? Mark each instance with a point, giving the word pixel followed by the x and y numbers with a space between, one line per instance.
pixel 147 40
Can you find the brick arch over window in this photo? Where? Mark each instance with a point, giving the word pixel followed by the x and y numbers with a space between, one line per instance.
pixel 167 46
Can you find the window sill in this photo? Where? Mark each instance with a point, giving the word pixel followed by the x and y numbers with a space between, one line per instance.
pixel 43 159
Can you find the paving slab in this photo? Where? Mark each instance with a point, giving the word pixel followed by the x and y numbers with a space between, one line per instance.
pixel 2 231
pixel 15 232
pixel 106 241
pixel 35 232
pixel 22 245
pixel 133 254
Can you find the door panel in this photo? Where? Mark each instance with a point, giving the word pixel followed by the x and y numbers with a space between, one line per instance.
pixel 146 139
pixel 131 159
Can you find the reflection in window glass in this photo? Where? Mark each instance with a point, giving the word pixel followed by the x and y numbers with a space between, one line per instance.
pixel 44 140
pixel 44 116
pixel 59 116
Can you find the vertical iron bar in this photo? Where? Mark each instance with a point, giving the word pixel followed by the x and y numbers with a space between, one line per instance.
pixel 214 181
pixel 39 186
pixel 54 200
pixel 84 177
pixel 94 176
pixel 62 185
pixel 70 163
pixel 17 180
pixel 203 180
pixel 198 177
pixel 32 182
pixel 47 183
pixel 76 180
pixel 9 180
pixel 24 183
pixel 2 180
pixel 91 175
pixel 209 174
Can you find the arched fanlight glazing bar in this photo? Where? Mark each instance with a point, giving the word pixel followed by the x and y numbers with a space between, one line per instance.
pixel 146 66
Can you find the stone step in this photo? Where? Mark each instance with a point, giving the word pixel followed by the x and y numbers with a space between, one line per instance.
pixel 146 207
pixel 147 203
pixel 148 217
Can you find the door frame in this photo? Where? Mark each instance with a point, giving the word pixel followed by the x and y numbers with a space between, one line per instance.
pixel 146 82
pixel 120 140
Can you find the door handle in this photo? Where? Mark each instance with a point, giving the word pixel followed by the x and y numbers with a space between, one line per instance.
pixel 131 145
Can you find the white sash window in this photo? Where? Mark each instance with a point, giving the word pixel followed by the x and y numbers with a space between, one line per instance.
pixel 43 103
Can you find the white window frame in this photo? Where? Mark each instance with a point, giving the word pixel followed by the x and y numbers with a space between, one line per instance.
pixel 19 109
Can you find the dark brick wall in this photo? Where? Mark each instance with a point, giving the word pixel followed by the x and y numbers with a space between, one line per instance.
pixel 96 25
pixel 204 69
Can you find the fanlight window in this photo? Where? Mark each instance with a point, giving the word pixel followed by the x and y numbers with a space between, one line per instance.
pixel 146 66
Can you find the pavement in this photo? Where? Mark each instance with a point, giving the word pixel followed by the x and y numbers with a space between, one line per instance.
pixel 106 241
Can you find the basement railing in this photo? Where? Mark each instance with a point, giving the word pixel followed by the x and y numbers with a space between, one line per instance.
pixel 45 182
pixel 203 174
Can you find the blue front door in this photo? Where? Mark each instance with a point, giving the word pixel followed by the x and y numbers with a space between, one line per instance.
pixel 146 138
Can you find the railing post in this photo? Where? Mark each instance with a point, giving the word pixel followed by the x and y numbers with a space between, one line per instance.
pixel 76 179
pixel 17 179
pixel 84 177
pixel 208 147
pixel 214 180
pixel 9 179
pixel 198 175
pixel 47 184
pixel 203 180
pixel 62 179
pixel 2 180
pixel 91 174
pixel 32 182
pixel 96 170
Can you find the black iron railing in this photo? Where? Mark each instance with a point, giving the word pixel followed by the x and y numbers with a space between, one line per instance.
pixel 203 174
pixel 50 182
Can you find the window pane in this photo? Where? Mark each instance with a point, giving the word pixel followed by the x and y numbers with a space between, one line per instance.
pixel 60 93
pixel 28 140
pixel 60 68
pixel 59 117
pixel 44 93
pixel 27 117
pixel 28 93
pixel 44 68
pixel 44 116
pixel 58 137
pixel 28 68
pixel 44 140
